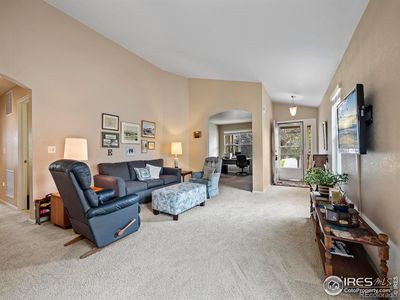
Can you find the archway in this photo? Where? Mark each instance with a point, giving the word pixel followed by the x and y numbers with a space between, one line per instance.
pixel 230 137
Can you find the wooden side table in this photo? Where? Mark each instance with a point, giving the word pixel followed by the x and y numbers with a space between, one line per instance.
pixel 59 216
pixel 184 173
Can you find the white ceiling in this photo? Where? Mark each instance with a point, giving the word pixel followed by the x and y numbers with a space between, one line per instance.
pixel 292 46
pixel 231 117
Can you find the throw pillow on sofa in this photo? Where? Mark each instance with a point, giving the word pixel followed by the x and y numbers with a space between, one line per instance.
pixel 154 171
pixel 208 172
pixel 142 174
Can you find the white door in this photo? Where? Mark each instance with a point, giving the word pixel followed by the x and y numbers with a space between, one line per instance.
pixel 289 151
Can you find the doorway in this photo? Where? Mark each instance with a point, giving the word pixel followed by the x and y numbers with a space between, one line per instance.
pixel 295 142
pixel 15 142
pixel 230 136
pixel 24 146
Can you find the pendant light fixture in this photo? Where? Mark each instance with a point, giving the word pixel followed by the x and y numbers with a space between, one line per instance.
pixel 293 108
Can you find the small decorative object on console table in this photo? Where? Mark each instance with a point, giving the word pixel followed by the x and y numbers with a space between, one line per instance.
pixel 176 149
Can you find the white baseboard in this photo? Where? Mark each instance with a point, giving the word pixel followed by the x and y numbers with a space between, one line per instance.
pixel 262 192
pixel 394 253
pixel 8 204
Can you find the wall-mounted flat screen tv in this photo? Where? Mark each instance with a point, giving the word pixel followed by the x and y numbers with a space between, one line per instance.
pixel 351 123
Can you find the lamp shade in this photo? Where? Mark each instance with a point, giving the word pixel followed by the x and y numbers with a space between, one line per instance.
pixel 176 148
pixel 293 110
pixel 76 149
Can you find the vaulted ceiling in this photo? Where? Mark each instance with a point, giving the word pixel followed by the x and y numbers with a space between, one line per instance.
pixel 292 46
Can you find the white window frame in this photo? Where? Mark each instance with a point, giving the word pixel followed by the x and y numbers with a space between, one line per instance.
pixel 336 155
pixel 229 132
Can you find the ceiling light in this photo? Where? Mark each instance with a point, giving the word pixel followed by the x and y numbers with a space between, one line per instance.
pixel 293 108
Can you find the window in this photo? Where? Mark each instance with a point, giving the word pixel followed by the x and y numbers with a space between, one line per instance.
pixel 235 142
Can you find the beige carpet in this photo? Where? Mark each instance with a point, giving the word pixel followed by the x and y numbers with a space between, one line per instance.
pixel 239 246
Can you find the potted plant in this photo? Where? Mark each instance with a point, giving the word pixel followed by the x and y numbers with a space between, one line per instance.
pixel 324 179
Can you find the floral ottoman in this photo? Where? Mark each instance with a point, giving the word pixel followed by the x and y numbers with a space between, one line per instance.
pixel 176 199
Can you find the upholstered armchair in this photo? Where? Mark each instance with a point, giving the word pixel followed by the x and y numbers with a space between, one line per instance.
pixel 212 181
pixel 101 217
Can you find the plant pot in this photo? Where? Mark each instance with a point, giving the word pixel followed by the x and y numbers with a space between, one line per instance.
pixel 324 190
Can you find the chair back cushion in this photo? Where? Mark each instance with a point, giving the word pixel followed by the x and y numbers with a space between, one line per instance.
pixel 213 162
pixel 208 172
pixel 115 169
pixel 241 160
pixel 73 180
pixel 135 164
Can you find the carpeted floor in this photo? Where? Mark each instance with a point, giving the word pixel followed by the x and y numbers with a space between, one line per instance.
pixel 239 246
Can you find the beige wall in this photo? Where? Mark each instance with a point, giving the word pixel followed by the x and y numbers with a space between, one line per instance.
pixel 9 142
pixel 213 140
pixel 281 112
pixel 208 97
pixel 373 59
pixel 228 127
pixel 267 125
pixel 75 75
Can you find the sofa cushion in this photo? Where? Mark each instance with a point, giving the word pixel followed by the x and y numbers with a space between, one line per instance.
pixel 154 171
pixel 115 169
pixel 169 178
pixel 134 186
pixel 143 174
pixel 154 183
pixel 135 164
pixel 156 162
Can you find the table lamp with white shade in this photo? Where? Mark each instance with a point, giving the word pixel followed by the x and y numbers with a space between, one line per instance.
pixel 176 149
pixel 76 149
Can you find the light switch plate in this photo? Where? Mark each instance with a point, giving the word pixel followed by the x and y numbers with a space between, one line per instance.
pixel 51 149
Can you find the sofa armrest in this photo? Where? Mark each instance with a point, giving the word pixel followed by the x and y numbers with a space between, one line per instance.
pixel 197 175
pixel 105 195
pixel 215 179
pixel 172 171
pixel 110 182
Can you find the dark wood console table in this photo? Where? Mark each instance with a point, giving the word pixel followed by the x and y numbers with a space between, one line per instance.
pixel 355 238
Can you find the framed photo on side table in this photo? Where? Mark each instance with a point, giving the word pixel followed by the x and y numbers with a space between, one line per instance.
pixel 148 129
pixel 109 122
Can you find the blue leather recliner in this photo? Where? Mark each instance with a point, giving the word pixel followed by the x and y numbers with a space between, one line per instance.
pixel 98 216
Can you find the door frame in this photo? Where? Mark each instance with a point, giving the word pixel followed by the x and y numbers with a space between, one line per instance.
pixel 314 142
pixel 24 176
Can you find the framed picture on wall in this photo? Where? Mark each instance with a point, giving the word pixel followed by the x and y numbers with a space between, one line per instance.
pixel 109 140
pixel 144 146
pixel 109 122
pixel 151 145
pixel 325 135
pixel 148 129
pixel 130 133
pixel 130 151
